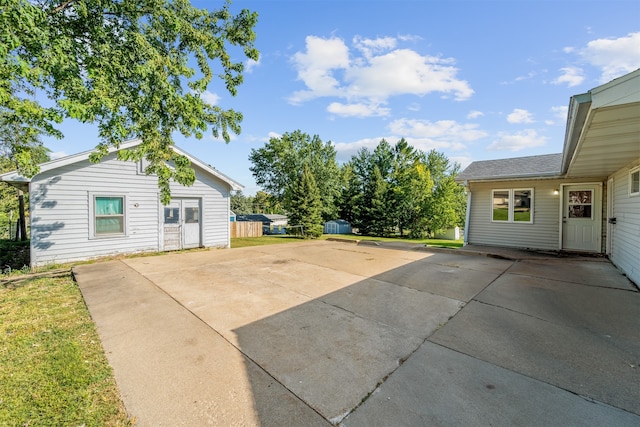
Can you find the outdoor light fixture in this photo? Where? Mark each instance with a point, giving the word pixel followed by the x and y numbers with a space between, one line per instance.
pixel 556 192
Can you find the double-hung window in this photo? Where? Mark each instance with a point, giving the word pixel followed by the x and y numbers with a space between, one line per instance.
pixel 512 205
pixel 634 182
pixel 108 215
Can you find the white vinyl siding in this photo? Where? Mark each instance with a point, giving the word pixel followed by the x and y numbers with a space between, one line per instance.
pixel 625 239
pixel 540 233
pixel 61 219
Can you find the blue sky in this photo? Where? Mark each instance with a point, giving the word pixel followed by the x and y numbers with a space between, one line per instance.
pixel 475 80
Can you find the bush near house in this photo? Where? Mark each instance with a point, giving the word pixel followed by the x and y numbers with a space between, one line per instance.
pixel 14 255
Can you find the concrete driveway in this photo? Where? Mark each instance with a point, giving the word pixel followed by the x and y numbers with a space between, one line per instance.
pixel 321 333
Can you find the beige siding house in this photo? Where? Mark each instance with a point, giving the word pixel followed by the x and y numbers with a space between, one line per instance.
pixel 585 199
pixel 82 210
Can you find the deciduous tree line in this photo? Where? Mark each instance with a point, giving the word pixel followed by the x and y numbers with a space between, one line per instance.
pixel 393 189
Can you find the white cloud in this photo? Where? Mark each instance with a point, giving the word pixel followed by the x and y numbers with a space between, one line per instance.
pixel 316 65
pixel 357 110
pixel 57 155
pixel 373 71
pixel 463 161
pixel 445 130
pixel 344 150
pixel 369 47
pixel 420 134
pixel 250 65
pixel 560 115
pixel 614 56
pixel 519 115
pixel 210 97
pixel 571 76
pixel 560 111
pixel 474 114
pixel 518 141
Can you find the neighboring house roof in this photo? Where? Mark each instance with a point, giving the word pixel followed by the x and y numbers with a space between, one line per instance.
pixel 514 168
pixel 264 218
pixel 601 137
pixel 15 177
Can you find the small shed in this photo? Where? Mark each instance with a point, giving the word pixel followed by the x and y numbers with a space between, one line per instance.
pixel 81 210
pixel 337 226
pixel 449 234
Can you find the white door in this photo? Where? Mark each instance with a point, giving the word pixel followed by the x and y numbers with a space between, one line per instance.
pixel 181 224
pixel 191 223
pixel 581 218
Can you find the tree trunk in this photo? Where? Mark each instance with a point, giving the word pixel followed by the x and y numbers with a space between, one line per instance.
pixel 23 223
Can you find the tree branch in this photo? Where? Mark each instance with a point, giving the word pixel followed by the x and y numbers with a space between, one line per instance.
pixel 61 7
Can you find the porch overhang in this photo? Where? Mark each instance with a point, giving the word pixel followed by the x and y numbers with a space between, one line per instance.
pixel 603 129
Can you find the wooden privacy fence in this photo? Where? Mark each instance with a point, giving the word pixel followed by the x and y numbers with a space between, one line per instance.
pixel 246 229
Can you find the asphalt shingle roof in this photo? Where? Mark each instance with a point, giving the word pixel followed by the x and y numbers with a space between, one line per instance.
pixel 517 167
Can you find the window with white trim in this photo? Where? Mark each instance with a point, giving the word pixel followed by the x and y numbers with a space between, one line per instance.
pixel 512 205
pixel 634 182
pixel 108 215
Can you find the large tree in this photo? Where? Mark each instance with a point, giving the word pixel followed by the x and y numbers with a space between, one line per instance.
pixel 136 68
pixel 399 188
pixel 306 205
pixel 277 167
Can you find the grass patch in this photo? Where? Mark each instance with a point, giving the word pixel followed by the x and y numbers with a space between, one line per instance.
pixel 429 242
pixel 243 242
pixel 53 370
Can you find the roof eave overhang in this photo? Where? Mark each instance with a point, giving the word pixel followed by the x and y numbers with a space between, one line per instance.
pixel 579 107
pixel 536 177
pixel 16 179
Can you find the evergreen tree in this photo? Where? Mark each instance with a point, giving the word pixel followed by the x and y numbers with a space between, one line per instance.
pixel 306 205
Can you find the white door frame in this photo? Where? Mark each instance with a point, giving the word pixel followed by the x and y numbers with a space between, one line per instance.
pixel 597 206
pixel 180 222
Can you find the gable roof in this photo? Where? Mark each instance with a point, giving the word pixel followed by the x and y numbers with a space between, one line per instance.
pixel 15 177
pixel 546 165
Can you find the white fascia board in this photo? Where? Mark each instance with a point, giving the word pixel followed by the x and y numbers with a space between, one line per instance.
pixel 579 107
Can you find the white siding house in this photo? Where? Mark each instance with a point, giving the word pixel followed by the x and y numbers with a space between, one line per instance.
pixel 585 199
pixel 81 210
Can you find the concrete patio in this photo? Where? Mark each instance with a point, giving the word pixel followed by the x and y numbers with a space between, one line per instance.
pixel 321 333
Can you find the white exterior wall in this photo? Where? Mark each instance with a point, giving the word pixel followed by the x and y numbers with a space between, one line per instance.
pixel 60 216
pixel 625 239
pixel 543 233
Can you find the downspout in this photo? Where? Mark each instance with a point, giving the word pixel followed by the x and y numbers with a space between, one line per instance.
pixel 467 215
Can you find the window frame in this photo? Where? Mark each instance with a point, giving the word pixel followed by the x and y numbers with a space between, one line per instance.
pixel 632 172
pixel 93 196
pixel 511 205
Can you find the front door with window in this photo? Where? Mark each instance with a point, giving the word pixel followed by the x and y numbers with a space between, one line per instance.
pixel 181 224
pixel 581 216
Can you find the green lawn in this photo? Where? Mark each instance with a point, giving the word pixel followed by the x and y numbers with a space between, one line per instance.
pixel 271 240
pixel 428 242
pixel 53 370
